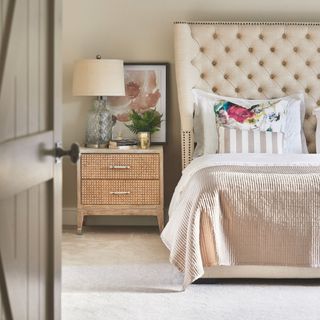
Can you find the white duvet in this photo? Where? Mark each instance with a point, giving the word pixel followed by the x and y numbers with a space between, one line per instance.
pixel 177 205
pixel 250 159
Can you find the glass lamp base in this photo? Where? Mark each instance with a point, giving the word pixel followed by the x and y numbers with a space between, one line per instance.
pixel 99 125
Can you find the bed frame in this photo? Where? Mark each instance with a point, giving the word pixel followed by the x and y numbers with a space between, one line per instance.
pixel 253 60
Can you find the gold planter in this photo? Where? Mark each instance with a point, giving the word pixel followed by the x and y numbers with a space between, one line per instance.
pixel 144 140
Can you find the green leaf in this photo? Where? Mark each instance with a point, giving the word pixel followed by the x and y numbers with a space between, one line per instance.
pixel 149 121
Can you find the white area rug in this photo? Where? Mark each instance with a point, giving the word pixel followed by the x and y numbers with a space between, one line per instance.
pixel 123 273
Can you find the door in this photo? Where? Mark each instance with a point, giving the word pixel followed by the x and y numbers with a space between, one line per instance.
pixel 30 180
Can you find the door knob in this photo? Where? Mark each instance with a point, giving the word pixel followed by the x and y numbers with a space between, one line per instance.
pixel 73 152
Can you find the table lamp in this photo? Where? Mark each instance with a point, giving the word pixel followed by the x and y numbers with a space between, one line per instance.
pixel 101 78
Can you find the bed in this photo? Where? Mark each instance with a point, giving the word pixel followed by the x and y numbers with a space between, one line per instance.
pixel 252 60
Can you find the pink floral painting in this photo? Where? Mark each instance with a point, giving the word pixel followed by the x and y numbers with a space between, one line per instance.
pixel 145 87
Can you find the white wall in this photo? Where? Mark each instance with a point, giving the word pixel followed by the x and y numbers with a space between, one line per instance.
pixel 141 31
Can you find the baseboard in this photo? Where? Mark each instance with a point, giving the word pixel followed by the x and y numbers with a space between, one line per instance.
pixel 70 219
pixel 265 281
pixel 69 216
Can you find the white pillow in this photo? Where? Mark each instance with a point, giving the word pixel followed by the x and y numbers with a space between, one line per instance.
pixel 205 128
pixel 249 141
pixel 316 112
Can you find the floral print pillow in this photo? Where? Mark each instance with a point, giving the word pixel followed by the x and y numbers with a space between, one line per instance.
pixel 267 116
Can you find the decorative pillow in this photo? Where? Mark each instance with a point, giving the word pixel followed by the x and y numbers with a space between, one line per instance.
pixel 249 141
pixel 266 116
pixel 248 114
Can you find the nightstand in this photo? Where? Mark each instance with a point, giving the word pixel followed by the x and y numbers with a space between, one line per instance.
pixel 120 182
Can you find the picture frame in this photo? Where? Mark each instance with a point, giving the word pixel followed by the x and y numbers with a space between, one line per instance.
pixel 146 88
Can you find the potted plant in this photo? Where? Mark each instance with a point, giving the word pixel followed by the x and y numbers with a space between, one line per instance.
pixel 144 124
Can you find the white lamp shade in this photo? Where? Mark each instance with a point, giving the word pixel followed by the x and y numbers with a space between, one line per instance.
pixel 98 77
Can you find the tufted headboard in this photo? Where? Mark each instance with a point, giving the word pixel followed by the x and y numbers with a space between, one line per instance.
pixel 251 60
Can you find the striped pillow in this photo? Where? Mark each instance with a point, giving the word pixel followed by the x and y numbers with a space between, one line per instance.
pixel 249 141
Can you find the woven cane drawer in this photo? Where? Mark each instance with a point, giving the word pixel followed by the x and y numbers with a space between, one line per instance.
pixel 120 192
pixel 120 166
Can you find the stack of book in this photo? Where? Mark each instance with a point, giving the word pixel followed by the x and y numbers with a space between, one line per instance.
pixel 123 144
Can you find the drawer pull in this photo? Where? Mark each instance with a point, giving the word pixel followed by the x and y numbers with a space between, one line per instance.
pixel 119 193
pixel 118 167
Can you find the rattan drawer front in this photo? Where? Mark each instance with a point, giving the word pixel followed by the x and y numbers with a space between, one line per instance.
pixel 120 166
pixel 120 192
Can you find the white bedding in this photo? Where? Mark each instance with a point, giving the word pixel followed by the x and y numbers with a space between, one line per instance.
pixel 177 205
pixel 250 159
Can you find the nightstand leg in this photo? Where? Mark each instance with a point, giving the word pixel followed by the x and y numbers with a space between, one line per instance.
pixel 160 221
pixel 80 221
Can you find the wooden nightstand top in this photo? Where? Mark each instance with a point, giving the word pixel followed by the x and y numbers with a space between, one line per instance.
pixel 152 149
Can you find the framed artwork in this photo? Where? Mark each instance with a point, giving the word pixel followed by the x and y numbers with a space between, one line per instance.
pixel 146 88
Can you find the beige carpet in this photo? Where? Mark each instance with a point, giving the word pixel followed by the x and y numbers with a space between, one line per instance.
pixel 123 273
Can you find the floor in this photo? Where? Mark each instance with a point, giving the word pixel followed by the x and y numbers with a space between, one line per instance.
pixel 124 273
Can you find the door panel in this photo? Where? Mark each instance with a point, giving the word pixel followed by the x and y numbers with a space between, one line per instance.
pixel 6 12
pixel 2 315
pixel 30 181
pixel 25 249
pixel 5 312
pixel 26 85
pixel 29 160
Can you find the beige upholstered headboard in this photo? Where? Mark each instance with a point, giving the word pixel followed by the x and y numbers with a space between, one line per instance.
pixel 249 60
